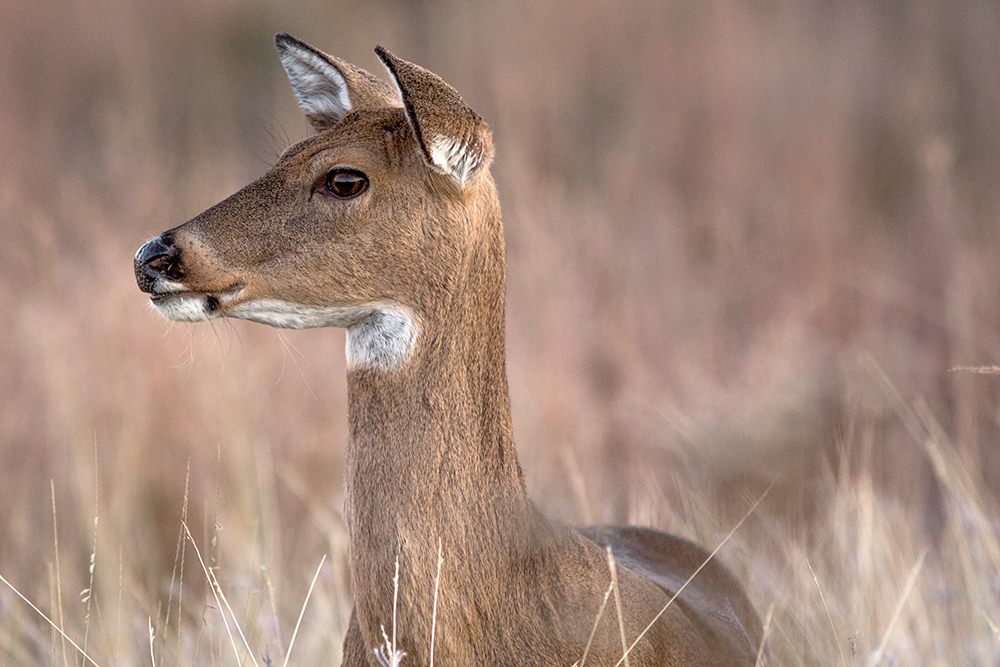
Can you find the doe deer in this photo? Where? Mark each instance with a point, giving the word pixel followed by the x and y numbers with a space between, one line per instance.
pixel 387 223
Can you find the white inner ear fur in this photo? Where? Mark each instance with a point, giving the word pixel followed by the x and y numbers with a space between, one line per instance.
pixel 454 158
pixel 319 87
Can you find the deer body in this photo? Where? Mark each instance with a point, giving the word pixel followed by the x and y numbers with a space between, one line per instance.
pixel 387 223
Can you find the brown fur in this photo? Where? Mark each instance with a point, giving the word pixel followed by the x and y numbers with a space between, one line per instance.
pixel 431 458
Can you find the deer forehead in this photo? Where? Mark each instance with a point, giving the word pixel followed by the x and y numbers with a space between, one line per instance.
pixel 379 138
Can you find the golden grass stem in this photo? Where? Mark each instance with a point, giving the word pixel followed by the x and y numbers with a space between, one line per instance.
pixel 763 635
pixel 434 612
pixel 395 600
pixel 93 557
pixel 175 575
pixel 696 572
pixel 89 593
pixel 979 370
pixel 55 538
pixel 302 611
pixel 49 621
pixel 593 631
pixel 618 604
pixel 829 616
pixel 223 603
pixel 52 605
pixel 992 626
pixel 910 581
pixel 274 608
pixel 152 653
pixel 578 486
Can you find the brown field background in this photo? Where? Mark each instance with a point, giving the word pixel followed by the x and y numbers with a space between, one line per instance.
pixel 747 243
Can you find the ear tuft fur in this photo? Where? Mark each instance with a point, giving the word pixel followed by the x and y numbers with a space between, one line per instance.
pixel 460 160
pixel 452 138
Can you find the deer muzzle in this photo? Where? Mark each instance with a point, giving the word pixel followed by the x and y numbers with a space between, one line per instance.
pixel 161 271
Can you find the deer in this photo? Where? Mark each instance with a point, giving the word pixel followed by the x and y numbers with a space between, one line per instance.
pixel 386 222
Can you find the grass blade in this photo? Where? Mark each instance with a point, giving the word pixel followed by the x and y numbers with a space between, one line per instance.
pixel 302 611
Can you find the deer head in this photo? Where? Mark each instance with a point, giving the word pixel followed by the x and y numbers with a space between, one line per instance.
pixel 367 225
pixel 386 222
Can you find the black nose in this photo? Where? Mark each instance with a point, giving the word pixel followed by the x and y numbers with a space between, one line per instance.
pixel 158 258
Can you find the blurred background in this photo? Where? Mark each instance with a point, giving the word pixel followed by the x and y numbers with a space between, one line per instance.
pixel 748 243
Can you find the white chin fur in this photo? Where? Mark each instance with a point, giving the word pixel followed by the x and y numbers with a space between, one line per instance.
pixel 186 308
pixel 379 336
pixel 288 315
pixel 179 306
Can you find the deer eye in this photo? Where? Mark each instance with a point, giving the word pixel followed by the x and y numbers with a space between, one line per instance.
pixel 345 183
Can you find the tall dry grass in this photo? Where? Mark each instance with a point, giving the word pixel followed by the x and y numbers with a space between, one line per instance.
pixel 745 243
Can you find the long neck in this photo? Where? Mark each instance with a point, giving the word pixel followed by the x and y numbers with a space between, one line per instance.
pixel 432 458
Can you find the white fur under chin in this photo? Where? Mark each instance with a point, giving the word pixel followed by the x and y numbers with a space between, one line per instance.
pixel 288 315
pixel 179 306
pixel 185 308
pixel 379 336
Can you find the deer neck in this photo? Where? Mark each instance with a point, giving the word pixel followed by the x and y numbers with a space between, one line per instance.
pixel 446 413
pixel 431 459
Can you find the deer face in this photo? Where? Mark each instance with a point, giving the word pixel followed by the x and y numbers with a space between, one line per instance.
pixel 362 226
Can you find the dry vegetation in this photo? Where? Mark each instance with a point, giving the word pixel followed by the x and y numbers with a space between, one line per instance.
pixel 748 243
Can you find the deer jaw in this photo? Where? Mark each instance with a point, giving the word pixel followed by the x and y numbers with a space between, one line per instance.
pixel 379 336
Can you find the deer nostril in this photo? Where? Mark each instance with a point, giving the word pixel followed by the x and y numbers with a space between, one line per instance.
pixel 164 264
pixel 158 258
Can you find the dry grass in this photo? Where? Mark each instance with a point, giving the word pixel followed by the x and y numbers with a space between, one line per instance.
pixel 747 244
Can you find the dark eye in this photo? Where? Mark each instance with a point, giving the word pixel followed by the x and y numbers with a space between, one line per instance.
pixel 345 183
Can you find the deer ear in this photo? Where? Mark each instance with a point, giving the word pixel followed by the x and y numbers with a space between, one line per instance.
pixel 452 138
pixel 327 87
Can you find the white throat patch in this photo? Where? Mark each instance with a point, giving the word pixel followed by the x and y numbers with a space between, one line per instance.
pixel 383 340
